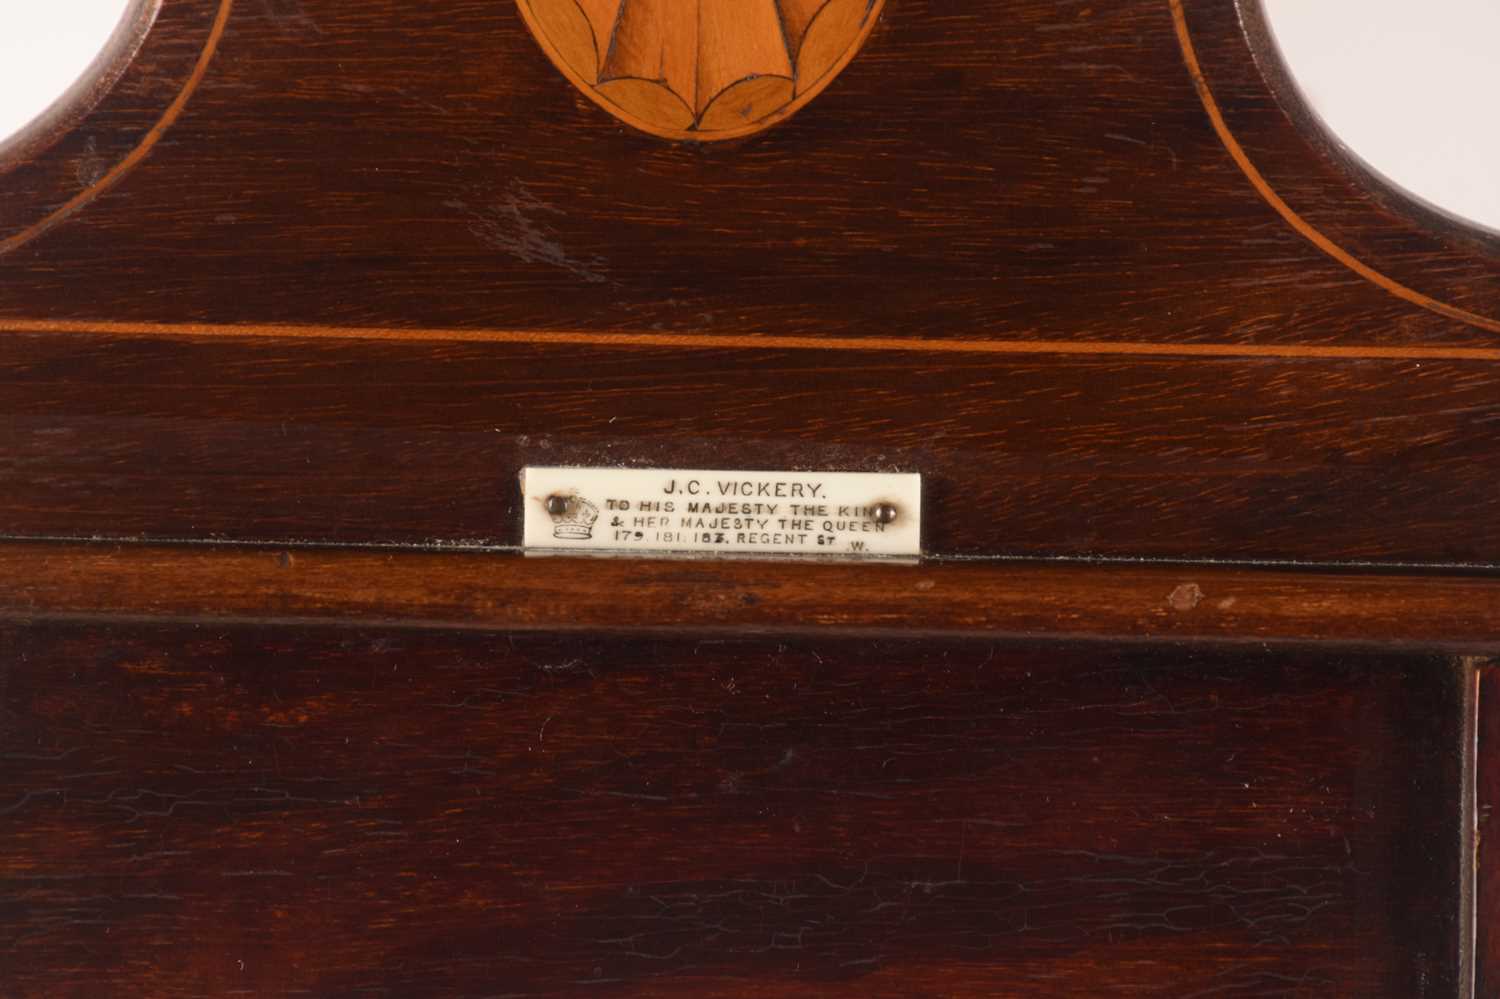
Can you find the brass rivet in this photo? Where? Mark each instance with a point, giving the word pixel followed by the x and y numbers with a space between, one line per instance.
pixel 558 505
pixel 885 513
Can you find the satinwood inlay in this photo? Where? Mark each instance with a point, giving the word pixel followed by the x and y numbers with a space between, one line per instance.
pixel 701 69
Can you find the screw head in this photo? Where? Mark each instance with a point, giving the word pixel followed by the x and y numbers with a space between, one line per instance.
pixel 558 505
pixel 885 513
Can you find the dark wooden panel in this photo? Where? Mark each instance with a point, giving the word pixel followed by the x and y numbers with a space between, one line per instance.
pixel 1017 174
pixel 1487 800
pixel 990 168
pixel 760 803
pixel 209 811
pixel 1290 458
pixel 495 591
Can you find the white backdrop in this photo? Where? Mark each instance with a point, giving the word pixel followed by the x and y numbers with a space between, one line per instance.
pixel 44 46
pixel 1412 87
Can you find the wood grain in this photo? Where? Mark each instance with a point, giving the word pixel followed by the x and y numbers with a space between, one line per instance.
pixel 1305 460
pixel 498 591
pixel 206 810
pixel 1186 376
pixel 1008 170
pixel 112 119
pixel 1487 857
pixel 323 276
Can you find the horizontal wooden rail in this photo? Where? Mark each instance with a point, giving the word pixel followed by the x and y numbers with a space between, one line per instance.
pixel 509 591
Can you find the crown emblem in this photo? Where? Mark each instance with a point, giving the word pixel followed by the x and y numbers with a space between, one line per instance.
pixel 572 517
pixel 701 69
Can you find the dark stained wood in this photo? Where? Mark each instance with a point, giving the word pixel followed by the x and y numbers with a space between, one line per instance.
pixel 453 186
pixel 1487 862
pixel 507 591
pixel 320 277
pixel 202 810
pixel 111 120
pixel 974 178
pixel 1296 459
pixel 986 169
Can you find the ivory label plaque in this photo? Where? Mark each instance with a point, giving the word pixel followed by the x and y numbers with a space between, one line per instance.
pixel 722 511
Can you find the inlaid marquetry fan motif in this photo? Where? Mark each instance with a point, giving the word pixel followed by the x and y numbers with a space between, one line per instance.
pixel 701 69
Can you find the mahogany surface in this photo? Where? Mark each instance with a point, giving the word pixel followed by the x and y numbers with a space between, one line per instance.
pixel 481 591
pixel 378 257
pixel 357 442
pixel 944 195
pixel 994 171
pixel 293 291
pixel 206 810
pixel 1487 853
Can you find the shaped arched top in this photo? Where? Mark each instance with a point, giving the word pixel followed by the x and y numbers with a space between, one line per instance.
pixel 110 120
pixel 1406 88
pixel 56 61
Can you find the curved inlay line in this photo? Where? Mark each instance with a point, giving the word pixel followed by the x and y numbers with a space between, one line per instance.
pixel 150 139
pixel 1296 221
pixel 1205 94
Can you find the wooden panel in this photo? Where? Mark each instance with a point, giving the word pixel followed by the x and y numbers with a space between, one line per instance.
pixel 1487 885
pixel 333 272
pixel 489 591
pixel 1292 458
pixel 322 273
pixel 205 810
pixel 986 169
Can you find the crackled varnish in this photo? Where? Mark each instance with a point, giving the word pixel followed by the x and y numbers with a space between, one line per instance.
pixel 1189 695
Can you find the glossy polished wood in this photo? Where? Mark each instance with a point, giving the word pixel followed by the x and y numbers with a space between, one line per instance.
pixel 1059 297
pixel 1487 858
pixel 202 810
pixel 1292 459
pixel 971 174
pixel 489 591
pixel 318 278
